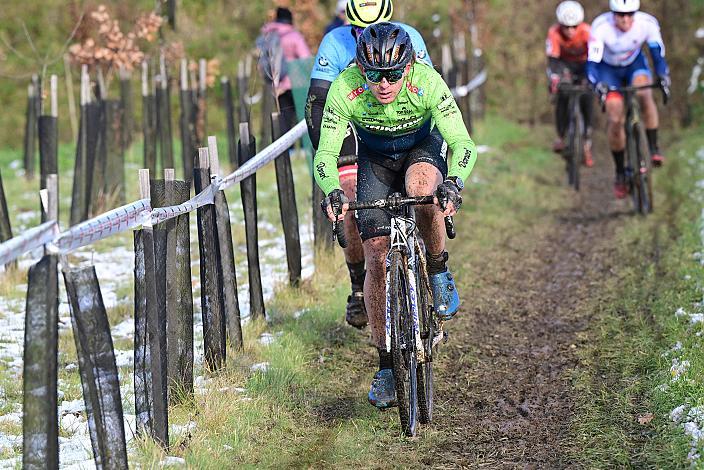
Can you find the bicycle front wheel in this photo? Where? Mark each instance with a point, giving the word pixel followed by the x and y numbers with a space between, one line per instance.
pixel 428 327
pixel 645 177
pixel 403 345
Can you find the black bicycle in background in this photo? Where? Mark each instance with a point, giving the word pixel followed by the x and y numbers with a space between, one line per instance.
pixel 413 328
pixel 573 152
pixel 639 180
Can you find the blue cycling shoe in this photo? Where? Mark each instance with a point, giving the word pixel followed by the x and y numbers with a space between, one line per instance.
pixel 382 393
pixel 445 296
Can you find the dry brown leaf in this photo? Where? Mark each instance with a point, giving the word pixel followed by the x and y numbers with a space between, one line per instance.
pixel 645 418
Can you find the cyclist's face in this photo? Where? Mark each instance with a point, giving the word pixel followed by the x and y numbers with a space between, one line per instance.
pixel 384 91
pixel 623 21
pixel 568 31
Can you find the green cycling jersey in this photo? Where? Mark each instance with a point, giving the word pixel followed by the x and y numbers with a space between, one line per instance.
pixel 390 130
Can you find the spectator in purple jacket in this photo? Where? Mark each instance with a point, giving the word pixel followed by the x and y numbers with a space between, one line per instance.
pixel 294 47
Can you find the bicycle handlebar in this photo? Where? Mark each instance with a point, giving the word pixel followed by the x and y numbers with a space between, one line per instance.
pixel 631 89
pixel 391 202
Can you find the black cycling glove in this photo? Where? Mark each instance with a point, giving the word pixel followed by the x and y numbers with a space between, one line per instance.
pixel 336 199
pixel 448 191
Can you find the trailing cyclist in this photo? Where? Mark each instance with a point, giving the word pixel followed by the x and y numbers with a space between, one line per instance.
pixel 615 60
pixel 401 109
pixel 566 48
pixel 336 52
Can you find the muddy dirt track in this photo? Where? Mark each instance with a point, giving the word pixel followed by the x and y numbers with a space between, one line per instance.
pixel 504 378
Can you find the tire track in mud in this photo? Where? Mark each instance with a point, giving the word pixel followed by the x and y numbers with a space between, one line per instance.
pixel 504 395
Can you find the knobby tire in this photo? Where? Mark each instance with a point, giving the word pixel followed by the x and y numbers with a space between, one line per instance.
pixel 427 332
pixel 403 346
pixel 645 177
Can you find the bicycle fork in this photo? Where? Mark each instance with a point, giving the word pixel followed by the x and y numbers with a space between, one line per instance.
pixel 398 242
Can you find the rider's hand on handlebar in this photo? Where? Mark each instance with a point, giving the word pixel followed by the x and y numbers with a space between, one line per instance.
pixel 665 83
pixel 448 197
pixel 601 89
pixel 335 205
pixel 554 83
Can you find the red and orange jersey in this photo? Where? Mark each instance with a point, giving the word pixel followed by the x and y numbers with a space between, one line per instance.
pixel 570 50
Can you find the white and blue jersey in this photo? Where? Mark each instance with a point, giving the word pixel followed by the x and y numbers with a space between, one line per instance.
pixel 616 56
pixel 338 49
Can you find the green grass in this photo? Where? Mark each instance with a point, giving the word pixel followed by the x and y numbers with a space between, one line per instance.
pixel 626 373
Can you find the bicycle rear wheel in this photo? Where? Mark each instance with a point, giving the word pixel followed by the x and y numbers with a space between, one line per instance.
pixel 403 346
pixel 427 334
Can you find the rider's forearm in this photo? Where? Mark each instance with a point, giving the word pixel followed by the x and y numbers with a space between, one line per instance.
pixel 325 171
pixel 592 72
pixel 315 105
pixel 464 156
pixel 555 66
pixel 657 53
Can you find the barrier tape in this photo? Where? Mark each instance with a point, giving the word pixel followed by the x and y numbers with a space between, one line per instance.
pixel 33 238
pixel 205 197
pixel 463 90
pixel 138 213
pixel 270 152
pixel 115 221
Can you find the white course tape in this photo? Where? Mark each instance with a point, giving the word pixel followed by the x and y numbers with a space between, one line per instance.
pixel 28 241
pixel 476 82
pixel 115 221
pixel 205 197
pixel 265 156
pixel 138 213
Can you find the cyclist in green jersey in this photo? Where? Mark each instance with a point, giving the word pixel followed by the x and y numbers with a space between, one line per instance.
pixel 402 111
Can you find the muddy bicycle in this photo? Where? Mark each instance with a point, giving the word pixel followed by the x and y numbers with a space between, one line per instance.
pixel 413 329
pixel 573 153
pixel 639 179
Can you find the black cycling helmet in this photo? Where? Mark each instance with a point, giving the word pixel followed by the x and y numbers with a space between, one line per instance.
pixel 384 46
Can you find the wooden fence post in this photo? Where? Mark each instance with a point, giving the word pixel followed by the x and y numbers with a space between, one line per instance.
pixel 227 255
pixel 149 120
pixel 174 268
pixel 248 190
pixel 31 129
pixel 189 146
pixel 96 363
pixel 155 333
pixel 79 204
pixel 40 427
pixel 211 292
pixel 287 204
pixel 40 411
pixel 231 123
pixel 243 90
pixel 163 105
pixel 114 177
pixel 201 103
pixel 49 140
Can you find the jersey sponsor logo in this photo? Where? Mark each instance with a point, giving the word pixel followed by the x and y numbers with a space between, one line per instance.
pixel 414 89
pixel 357 91
pixel 421 54
pixel 465 158
pixel 320 168
pixel 323 62
pixel 399 127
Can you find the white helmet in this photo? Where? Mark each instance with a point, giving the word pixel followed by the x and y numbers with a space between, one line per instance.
pixel 570 13
pixel 341 6
pixel 624 6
